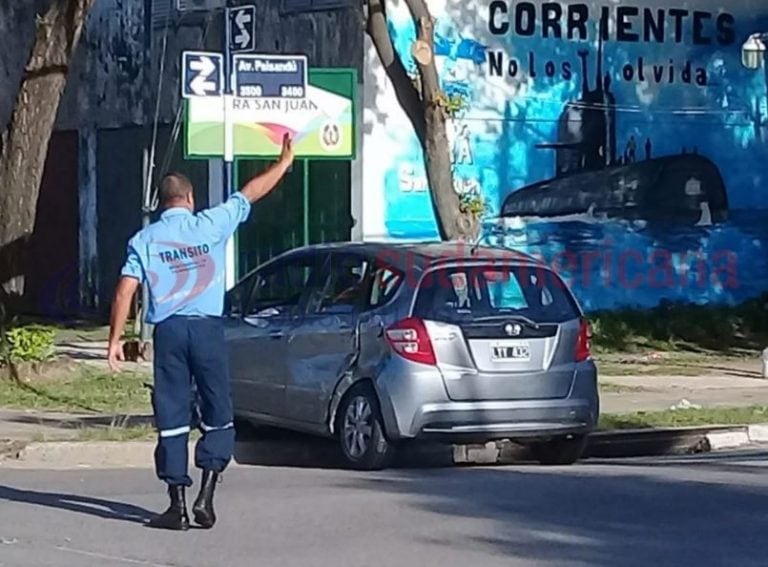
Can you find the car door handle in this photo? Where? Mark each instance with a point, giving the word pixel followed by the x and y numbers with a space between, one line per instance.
pixel 276 335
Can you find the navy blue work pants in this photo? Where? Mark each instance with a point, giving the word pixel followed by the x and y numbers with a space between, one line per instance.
pixel 187 349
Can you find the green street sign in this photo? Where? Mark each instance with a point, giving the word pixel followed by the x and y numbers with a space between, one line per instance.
pixel 322 124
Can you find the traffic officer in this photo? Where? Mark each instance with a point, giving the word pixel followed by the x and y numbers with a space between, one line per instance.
pixel 181 258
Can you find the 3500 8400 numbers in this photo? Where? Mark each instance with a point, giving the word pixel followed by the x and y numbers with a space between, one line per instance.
pixel 292 91
pixel 250 90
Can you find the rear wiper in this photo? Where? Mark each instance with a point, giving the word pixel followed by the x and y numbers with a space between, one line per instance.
pixel 520 318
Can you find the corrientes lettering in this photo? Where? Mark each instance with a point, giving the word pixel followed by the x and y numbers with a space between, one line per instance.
pixel 633 24
pixel 576 22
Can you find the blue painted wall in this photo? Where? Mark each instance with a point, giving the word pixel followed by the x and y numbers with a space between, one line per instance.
pixel 644 179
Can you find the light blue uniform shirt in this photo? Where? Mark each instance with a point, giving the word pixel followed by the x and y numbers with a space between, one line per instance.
pixel 181 257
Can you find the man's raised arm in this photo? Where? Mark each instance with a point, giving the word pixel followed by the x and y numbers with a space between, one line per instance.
pixel 222 220
pixel 267 180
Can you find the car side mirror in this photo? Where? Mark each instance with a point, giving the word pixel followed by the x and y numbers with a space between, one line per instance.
pixel 267 313
pixel 261 318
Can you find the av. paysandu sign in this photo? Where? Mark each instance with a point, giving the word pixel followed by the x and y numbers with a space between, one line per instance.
pixel 322 123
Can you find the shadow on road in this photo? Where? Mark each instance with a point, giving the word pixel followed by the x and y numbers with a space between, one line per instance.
pixel 105 509
pixel 268 447
pixel 592 514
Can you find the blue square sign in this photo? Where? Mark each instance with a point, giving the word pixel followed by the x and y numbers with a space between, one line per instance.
pixel 202 74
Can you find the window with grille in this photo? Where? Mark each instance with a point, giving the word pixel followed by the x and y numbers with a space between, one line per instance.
pixel 161 11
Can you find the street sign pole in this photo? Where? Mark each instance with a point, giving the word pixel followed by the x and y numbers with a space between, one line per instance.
pixel 239 35
pixel 145 331
pixel 305 198
pixel 229 150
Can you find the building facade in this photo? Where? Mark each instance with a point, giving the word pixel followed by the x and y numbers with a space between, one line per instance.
pixel 123 81
pixel 625 143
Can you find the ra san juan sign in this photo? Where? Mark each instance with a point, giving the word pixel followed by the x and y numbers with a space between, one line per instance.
pixel 271 95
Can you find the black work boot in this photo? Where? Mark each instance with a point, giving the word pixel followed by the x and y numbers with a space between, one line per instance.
pixel 175 517
pixel 203 507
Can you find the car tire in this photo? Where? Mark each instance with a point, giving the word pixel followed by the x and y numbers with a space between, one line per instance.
pixel 563 451
pixel 360 431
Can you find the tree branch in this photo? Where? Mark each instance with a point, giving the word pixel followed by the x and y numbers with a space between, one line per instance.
pixel 405 91
pixel 425 32
pixel 452 223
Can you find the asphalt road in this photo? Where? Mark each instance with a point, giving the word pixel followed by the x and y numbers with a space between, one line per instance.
pixel 710 510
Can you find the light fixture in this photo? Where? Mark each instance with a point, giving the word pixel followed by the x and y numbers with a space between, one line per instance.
pixel 753 51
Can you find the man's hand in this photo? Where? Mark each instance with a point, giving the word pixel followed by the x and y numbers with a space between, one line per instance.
pixel 286 154
pixel 114 355
pixel 263 183
pixel 121 305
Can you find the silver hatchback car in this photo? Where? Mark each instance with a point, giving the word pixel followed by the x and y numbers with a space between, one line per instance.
pixel 375 344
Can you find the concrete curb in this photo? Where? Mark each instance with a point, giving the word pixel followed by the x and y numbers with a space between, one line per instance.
pixel 11 449
pixel 300 453
pixel 628 443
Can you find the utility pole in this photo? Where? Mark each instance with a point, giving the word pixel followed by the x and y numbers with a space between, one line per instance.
pixel 147 165
pixel 229 141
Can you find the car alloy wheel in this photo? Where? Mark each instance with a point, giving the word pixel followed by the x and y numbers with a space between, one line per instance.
pixel 358 427
pixel 360 430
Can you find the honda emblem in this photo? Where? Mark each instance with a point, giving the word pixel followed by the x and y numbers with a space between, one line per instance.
pixel 513 330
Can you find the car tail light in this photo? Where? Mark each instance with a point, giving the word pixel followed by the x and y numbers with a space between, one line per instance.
pixel 409 338
pixel 583 343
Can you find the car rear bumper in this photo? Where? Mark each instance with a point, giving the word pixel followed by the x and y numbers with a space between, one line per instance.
pixel 486 421
pixel 416 405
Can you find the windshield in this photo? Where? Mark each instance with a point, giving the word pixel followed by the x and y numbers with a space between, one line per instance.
pixel 467 293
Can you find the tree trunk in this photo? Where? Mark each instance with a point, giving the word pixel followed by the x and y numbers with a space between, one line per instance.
pixel 25 141
pixel 405 91
pixel 425 108
pixel 455 225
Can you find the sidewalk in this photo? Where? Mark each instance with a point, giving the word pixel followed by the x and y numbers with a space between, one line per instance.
pixel 94 353
pixel 35 425
pixel 737 384
pixel 642 394
pixel 653 386
pixel 627 394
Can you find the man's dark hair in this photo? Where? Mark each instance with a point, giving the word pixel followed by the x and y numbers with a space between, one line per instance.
pixel 174 187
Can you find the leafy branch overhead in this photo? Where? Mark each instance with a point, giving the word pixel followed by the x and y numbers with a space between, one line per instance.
pixel 428 109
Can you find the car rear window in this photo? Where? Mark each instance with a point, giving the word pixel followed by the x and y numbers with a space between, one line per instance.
pixel 465 293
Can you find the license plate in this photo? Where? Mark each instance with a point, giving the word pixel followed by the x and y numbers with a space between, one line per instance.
pixel 517 352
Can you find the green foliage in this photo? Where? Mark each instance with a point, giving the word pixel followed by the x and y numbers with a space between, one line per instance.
pixel 473 204
pixel 455 104
pixel 78 390
pixel 681 326
pixel 29 344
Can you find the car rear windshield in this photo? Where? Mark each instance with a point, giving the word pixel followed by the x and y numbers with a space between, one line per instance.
pixel 467 293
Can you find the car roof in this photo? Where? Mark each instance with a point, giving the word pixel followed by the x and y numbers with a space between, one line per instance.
pixel 424 254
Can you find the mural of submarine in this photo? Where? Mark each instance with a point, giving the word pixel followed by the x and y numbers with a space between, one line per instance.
pixel 590 178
